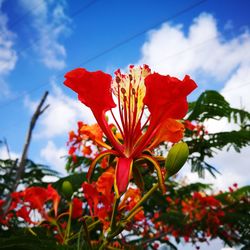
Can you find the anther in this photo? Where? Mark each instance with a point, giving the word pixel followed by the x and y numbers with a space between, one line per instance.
pixel 118 80
pixel 123 90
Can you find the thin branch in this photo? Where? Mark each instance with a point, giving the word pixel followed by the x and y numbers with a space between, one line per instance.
pixel 7 147
pixel 33 121
pixel 21 166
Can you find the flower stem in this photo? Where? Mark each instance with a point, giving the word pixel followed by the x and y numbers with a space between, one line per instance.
pixel 114 213
pixel 92 226
pixel 115 230
pixel 67 233
pixel 87 237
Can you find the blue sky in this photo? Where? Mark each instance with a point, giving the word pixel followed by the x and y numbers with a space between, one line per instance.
pixel 41 40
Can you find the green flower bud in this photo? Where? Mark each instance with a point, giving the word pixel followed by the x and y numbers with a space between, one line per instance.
pixel 176 158
pixel 67 189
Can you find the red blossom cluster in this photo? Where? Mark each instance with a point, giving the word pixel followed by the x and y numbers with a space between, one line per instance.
pixel 79 141
pixel 100 198
pixel 197 129
pixel 41 200
pixel 40 206
pixel 206 209
pixel 200 215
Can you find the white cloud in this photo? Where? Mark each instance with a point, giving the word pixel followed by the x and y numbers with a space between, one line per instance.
pixel 237 88
pixel 54 156
pixel 61 116
pixel 51 23
pixel 8 56
pixel 202 52
pixel 234 168
pixel 214 62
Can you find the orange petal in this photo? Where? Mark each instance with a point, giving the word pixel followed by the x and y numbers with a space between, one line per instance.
pixel 169 130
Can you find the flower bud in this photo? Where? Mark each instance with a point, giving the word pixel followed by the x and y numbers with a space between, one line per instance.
pixel 67 190
pixel 176 158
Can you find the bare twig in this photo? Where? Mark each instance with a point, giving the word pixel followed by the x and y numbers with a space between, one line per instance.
pixel 21 166
pixel 7 147
pixel 38 112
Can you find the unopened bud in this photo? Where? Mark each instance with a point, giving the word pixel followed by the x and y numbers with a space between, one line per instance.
pixel 67 189
pixel 176 158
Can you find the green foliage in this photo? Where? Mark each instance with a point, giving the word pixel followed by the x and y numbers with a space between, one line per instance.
pixel 212 106
pixel 235 204
pixel 22 239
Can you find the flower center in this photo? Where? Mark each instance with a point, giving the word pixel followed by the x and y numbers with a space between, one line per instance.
pixel 130 91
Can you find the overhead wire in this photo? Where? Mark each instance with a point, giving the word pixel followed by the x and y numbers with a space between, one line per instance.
pixel 72 15
pixel 114 46
pixel 117 45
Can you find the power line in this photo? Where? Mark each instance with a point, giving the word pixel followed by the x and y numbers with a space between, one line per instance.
pixel 117 45
pixel 27 13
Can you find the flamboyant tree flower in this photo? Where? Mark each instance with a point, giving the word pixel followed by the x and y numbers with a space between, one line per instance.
pixel 163 96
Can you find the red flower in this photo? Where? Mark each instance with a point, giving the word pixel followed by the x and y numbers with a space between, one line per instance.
pixel 189 125
pixel 25 214
pixel 77 208
pixel 38 196
pixel 100 197
pixel 164 96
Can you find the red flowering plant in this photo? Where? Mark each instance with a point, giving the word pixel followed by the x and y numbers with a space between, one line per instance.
pixel 112 192
pixel 162 98
pixel 165 99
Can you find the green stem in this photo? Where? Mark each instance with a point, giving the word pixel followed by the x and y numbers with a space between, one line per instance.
pixel 117 230
pixel 104 244
pixel 134 213
pixel 87 237
pixel 92 226
pixel 59 230
pixel 67 233
pixel 114 213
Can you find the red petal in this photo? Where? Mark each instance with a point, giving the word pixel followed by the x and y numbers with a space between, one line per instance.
pixel 36 196
pixel 93 88
pixel 77 208
pixel 54 196
pixel 122 174
pixel 167 95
